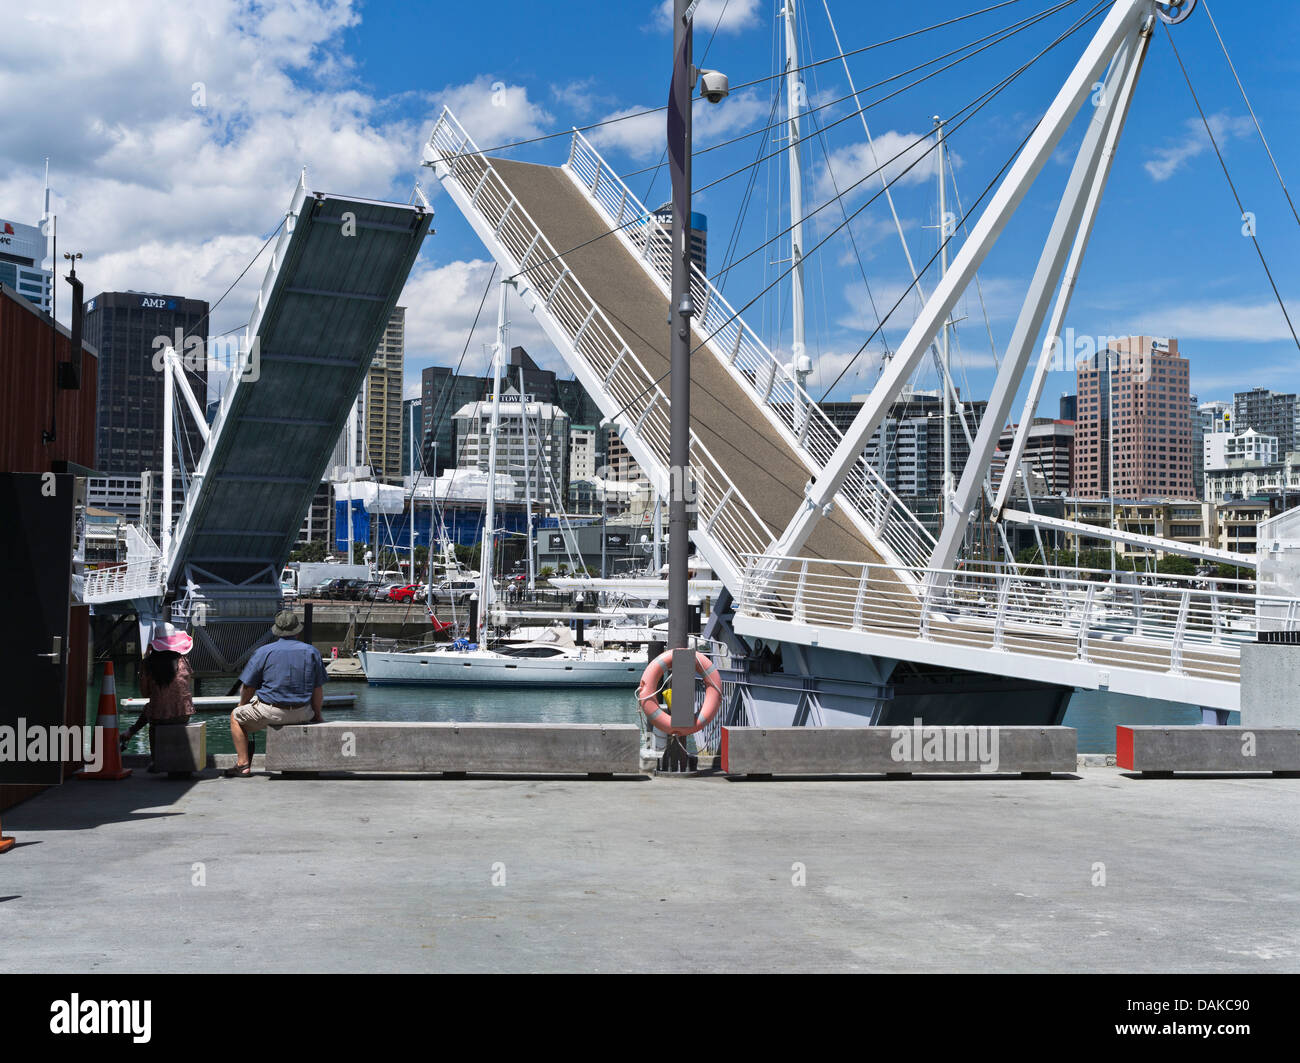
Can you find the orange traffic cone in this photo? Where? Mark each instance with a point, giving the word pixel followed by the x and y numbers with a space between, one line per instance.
pixel 106 718
pixel 6 843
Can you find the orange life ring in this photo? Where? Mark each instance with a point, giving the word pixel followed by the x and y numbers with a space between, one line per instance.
pixel 652 680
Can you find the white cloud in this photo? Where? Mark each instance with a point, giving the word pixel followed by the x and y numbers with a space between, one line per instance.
pixel 441 302
pixel 644 136
pixel 894 153
pixel 1168 160
pixel 736 15
pixel 1260 322
pixel 494 112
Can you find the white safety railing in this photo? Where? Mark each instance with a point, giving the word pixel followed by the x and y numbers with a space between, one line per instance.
pixel 1178 625
pixel 752 364
pixel 722 511
pixel 142 575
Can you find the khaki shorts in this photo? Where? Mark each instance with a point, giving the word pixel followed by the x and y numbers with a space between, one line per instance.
pixel 258 715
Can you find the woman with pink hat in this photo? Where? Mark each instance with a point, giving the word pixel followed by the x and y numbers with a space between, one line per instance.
pixel 165 681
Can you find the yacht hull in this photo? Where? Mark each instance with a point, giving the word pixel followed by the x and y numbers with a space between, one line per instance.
pixel 472 670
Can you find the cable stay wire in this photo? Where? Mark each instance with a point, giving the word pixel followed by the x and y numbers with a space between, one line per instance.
pixel 977 104
pixel 1260 131
pixel 973 108
pixel 830 125
pixel 1003 34
pixel 974 206
pixel 1232 185
pixel 735 88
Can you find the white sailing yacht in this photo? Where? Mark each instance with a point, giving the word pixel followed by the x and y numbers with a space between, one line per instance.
pixel 551 660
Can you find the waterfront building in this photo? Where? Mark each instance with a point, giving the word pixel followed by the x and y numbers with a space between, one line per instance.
pixel 22 250
pixel 1049 455
pixel 1237 479
pixel 582 451
pixel 1208 418
pixel 1134 401
pixel 1068 407
pixel 443 392
pixel 1273 413
pixel 540 467
pixel 1222 449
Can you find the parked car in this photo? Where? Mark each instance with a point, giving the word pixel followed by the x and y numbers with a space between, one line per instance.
pixel 454 591
pixel 349 590
pixel 406 592
pixel 378 592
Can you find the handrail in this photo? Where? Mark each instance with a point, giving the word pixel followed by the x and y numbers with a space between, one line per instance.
pixel 732 521
pixel 754 366
pixel 1184 626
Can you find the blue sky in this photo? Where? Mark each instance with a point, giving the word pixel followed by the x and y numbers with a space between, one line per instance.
pixel 160 194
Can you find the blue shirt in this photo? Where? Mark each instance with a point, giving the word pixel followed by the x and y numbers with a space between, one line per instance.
pixel 284 672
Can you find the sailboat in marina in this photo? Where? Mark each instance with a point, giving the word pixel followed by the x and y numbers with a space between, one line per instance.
pixel 552 659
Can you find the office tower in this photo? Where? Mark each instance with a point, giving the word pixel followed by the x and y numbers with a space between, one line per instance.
pixel 130 330
pixel 1134 402
pixel 22 250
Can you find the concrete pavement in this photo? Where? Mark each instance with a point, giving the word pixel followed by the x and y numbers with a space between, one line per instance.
pixel 385 874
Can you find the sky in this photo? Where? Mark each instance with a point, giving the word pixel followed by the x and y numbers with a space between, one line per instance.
pixel 176 133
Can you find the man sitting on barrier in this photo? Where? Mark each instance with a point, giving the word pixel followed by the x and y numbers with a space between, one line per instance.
pixel 283 683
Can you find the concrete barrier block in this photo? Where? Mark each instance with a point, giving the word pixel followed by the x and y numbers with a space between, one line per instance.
pixel 1207 749
pixel 504 748
pixel 898 750
pixel 180 748
pixel 1270 677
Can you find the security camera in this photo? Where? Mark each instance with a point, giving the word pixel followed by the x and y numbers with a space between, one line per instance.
pixel 714 85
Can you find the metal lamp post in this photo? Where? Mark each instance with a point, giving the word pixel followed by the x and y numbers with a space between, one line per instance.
pixel 680 312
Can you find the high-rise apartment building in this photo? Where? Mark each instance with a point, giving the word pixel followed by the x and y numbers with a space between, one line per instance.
pixel 541 459
pixel 383 430
pixel 1134 406
pixel 442 393
pixel 1272 413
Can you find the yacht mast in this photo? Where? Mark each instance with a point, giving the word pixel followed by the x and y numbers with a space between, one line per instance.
pixel 795 101
pixel 947 375
pixel 490 513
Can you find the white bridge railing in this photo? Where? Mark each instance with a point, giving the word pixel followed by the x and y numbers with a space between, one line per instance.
pixel 142 575
pixel 722 511
pixel 1177 625
pixel 752 364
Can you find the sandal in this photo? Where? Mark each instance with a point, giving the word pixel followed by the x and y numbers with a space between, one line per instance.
pixel 239 771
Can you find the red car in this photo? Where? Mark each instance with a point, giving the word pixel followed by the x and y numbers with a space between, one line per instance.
pixel 405 593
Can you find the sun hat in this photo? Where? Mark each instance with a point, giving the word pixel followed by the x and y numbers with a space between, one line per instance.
pixel 168 637
pixel 287 624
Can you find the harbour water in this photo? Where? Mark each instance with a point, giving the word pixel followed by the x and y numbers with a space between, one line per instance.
pixel 1094 713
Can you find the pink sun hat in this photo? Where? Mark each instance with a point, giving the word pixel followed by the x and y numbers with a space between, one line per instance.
pixel 170 637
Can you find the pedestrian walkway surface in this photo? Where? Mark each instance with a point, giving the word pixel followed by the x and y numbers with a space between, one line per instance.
pixel 397 874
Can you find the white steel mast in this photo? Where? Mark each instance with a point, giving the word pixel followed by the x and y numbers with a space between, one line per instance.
pixel 795 100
